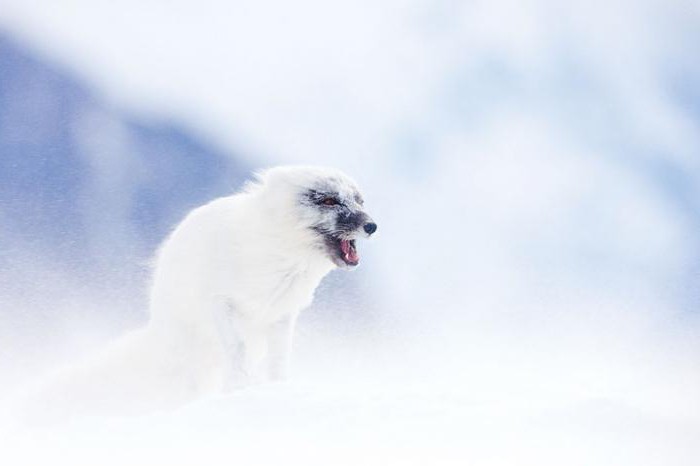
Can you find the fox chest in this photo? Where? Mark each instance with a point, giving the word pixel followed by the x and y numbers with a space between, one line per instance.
pixel 270 300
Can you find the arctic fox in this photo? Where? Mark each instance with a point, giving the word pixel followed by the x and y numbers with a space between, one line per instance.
pixel 228 285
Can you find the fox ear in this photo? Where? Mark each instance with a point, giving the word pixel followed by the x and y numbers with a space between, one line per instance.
pixel 258 179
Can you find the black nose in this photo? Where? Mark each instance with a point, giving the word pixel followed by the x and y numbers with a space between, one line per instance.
pixel 370 228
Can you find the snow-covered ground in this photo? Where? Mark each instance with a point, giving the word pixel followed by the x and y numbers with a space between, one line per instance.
pixel 458 395
pixel 318 423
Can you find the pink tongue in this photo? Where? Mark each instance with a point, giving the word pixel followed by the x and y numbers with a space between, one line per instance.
pixel 348 251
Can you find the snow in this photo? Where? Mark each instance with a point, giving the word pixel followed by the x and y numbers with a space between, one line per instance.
pixel 531 296
pixel 422 397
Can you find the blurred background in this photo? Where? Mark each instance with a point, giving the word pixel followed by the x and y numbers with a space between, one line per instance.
pixel 534 168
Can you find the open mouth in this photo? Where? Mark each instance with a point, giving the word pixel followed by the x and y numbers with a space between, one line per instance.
pixel 348 252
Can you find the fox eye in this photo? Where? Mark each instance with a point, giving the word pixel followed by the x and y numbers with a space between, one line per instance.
pixel 330 201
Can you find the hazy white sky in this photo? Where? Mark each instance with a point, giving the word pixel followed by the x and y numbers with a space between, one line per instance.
pixel 515 113
pixel 318 81
pixel 509 133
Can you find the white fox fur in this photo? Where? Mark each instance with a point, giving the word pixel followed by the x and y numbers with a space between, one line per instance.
pixel 228 285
